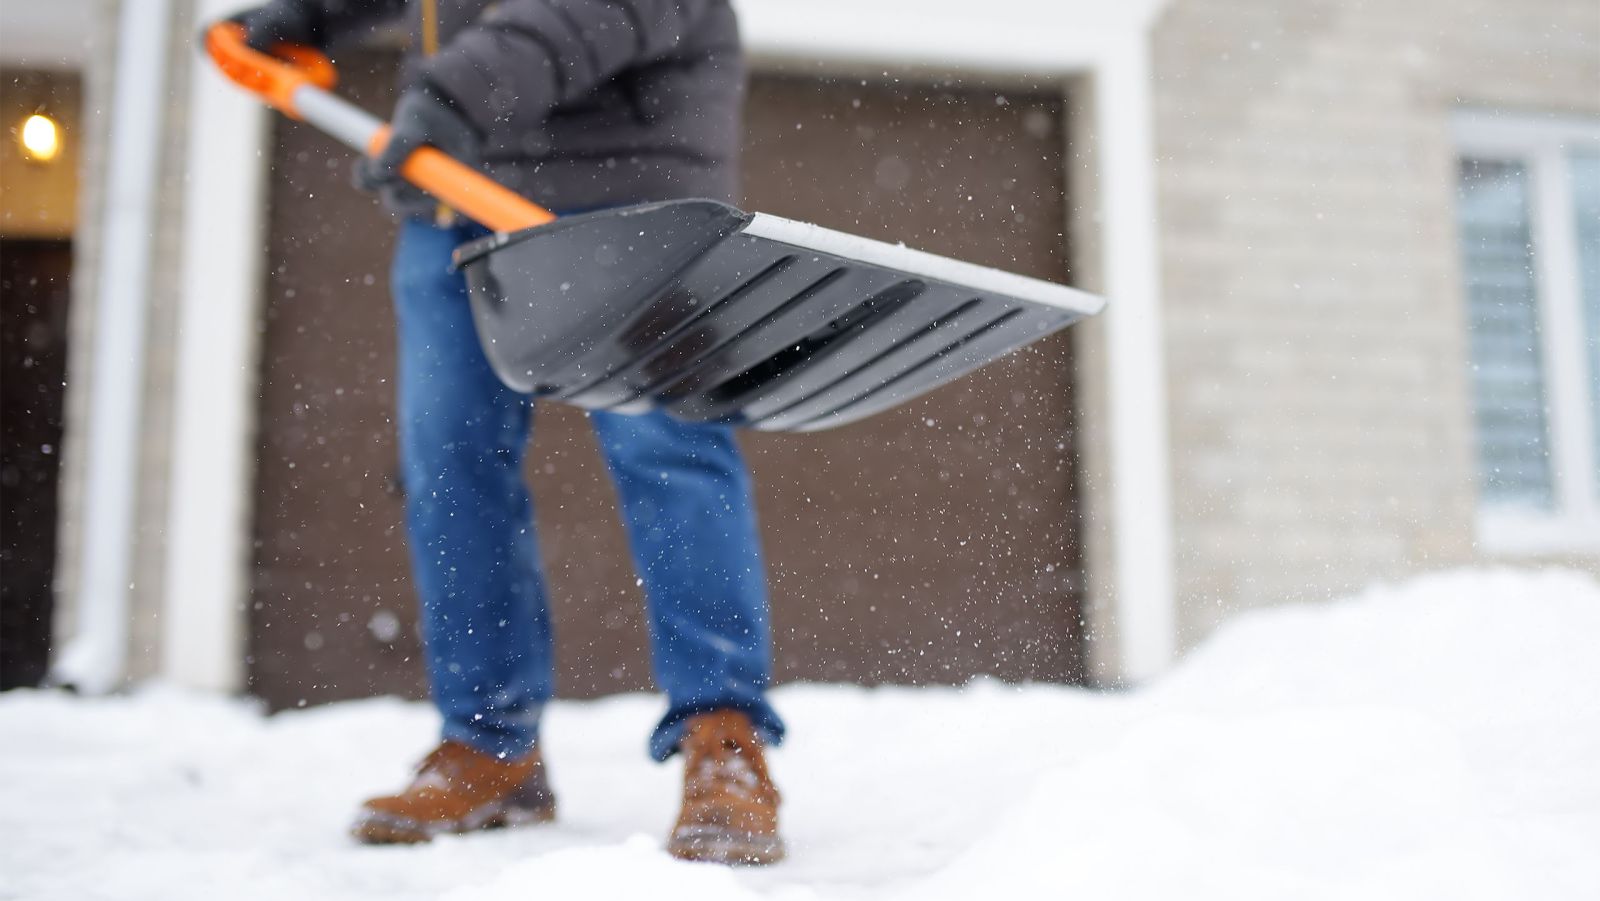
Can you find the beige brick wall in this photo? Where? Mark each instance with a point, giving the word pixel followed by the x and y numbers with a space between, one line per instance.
pixel 1315 325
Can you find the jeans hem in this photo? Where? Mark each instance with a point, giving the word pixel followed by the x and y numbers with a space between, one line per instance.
pixel 668 733
pixel 498 744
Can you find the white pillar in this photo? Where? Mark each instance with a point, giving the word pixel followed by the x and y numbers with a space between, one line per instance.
pixel 215 383
pixel 95 659
pixel 1141 497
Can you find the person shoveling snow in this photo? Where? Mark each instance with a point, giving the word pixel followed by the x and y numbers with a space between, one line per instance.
pixel 646 299
pixel 582 104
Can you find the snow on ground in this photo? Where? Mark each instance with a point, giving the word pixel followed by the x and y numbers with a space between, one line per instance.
pixel 1437 740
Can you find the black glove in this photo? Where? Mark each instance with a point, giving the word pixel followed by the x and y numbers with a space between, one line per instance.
pixel 424 115
pixel 281 22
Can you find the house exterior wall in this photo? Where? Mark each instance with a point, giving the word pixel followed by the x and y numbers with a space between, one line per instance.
pixel 1316 333
pixel 1320 416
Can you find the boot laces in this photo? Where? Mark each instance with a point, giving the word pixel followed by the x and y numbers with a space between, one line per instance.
pixel 721 763
pixel 443 765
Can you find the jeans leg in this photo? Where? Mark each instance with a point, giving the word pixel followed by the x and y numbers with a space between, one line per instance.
pixel 485 620
pixel 686 500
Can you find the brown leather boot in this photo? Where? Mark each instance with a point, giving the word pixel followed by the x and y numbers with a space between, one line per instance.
pixel 730 806
pixel 459 789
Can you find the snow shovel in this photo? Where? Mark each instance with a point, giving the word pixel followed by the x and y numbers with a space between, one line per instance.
pixel 691 306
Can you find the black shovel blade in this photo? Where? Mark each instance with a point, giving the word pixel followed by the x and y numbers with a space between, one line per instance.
pixel 716 315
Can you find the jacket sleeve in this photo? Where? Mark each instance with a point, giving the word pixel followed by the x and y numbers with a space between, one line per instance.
pixel 351 21
pixel 522 58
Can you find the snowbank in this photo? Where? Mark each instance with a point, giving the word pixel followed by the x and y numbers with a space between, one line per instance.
pixel 1439 739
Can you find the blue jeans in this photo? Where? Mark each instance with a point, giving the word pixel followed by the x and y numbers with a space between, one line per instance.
pixel 685 496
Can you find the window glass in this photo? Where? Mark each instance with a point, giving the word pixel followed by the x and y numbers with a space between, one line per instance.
pixel 1502 299
pixel 1586 203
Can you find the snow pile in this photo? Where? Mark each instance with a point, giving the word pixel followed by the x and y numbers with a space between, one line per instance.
pixel 1438 740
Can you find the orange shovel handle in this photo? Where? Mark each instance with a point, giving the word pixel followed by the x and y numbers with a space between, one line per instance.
pixel 463 188
pixel 295 80
pixel 274 78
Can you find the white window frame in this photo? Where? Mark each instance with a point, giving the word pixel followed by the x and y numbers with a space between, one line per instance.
pixel 1544 145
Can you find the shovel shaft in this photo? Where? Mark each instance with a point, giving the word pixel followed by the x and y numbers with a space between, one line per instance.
pixel 296 81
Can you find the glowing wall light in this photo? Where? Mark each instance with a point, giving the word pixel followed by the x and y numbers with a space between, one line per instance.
pixel 41 138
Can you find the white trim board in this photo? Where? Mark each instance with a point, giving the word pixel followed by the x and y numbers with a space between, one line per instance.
pixel 1144 595
pixel 1050 39
pixel 208 556
pixel 1029 37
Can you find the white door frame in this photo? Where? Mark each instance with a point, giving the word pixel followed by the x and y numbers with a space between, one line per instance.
pixel 208 555
pixel 212 483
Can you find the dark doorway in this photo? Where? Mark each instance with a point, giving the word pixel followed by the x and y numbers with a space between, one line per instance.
pixel 928 545
pixel 34 295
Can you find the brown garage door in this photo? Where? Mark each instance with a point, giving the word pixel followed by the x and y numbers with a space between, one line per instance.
pixel 927 545
pixel 937 541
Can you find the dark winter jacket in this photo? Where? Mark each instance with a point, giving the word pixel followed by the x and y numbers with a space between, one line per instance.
pixel 583 103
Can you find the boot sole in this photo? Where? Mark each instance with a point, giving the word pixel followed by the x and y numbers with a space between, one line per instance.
pixel 377 828
pixel 713 844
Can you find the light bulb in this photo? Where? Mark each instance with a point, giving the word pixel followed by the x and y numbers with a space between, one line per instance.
pixel 41 137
